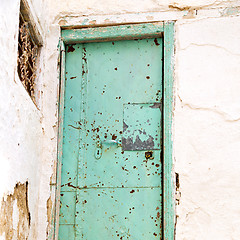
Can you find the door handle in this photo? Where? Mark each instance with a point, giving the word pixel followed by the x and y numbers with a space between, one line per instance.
pixel 98 152
pixel 112 142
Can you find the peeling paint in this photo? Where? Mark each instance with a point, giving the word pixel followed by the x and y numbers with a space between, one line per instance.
pixel 20 197
pixel 230 11
pixel 140 130
pixel 49 214
pixel 129 144
pixel 177 191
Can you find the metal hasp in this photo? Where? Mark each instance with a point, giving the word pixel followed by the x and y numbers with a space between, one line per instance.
pixel 98 152
pixel 113 90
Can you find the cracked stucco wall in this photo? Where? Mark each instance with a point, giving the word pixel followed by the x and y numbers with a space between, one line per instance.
pixel 206 116
pixel 207 128
pixel 20 138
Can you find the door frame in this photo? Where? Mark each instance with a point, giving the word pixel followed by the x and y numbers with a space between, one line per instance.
pixel 124 32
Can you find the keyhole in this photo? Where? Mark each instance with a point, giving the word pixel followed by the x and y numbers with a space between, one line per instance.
pixel 98 153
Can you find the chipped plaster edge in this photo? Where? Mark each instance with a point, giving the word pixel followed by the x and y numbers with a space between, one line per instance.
pixel 72 20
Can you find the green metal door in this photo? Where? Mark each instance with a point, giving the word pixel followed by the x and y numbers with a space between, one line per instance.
pixel 111 180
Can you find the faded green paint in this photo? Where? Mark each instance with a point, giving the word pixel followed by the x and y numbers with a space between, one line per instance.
pixel 133 31
pixel 120 194
pixel 81 192
pixel 142 126
pixel 168 173
pixel 60 136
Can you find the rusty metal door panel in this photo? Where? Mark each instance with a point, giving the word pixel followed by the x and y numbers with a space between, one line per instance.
pixel 141 127
pixel 123 213
pixel 112 147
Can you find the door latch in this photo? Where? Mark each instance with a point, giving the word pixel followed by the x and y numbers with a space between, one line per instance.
pixel 98 152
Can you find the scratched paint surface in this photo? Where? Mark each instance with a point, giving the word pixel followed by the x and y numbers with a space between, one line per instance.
pixel 141 126
pixel 113 93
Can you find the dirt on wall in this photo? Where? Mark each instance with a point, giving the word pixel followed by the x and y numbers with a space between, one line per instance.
pixel 49 214
pixel 18 198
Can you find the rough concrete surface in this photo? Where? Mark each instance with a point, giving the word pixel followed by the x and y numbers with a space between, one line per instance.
pixel 206 117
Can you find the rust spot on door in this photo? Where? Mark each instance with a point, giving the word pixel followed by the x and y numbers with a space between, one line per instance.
pixel 156 42
pixel 71 49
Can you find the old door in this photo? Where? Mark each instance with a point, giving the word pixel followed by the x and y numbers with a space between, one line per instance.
pixel 111 181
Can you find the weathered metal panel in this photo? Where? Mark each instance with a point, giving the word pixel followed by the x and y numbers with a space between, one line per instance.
pixel 102 78
pixel 141 127
pixel 67 208
pixel 133 31
pixel 66 232
pixel 125 213
pixel 123 80
pixel 70 142
pixel 168 191
pixel 72 104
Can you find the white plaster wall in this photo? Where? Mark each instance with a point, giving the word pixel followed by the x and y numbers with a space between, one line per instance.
pixel 206 116
pixel 207 128
pixel 20 123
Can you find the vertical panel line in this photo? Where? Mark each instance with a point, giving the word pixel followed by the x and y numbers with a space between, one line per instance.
pixel 82 132
pixel 60 135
